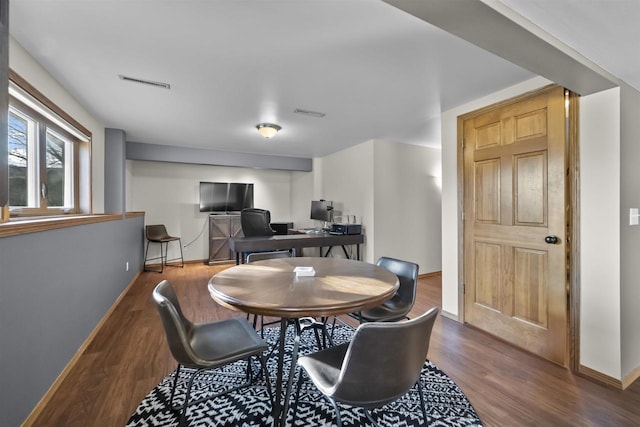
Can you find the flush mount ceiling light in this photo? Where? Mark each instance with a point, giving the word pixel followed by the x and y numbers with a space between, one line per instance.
pixel 267 130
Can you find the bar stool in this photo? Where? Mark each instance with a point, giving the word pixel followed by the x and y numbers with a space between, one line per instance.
pixel 158 234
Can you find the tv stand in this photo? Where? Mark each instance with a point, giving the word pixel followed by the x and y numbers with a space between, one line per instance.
pixel 222 228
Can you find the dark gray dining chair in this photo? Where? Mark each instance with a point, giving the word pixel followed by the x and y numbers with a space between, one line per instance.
pixel 157 233
pixel 382 363
pixel 206 345
pixel 399 306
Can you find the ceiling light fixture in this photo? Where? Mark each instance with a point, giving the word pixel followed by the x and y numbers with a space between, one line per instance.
pixel 268 130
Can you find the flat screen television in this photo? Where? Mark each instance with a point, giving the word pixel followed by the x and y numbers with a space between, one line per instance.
pixel 322 210
pixel 225 197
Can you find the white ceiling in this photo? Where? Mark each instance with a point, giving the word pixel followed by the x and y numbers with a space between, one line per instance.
pixel 374 70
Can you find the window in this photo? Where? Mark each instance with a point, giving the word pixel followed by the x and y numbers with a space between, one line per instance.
pixel 45 152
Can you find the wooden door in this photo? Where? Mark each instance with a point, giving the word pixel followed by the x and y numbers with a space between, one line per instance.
pixel 515 273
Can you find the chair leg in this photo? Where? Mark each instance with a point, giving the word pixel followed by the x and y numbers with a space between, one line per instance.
pixel 369 416
pixel 422 405
pixel 146 254
pixel 335 408
pixel 183 413
pixel 181 254
pixel 333 325
pixel 249 374
pixel 265 373
pixel 325 333
pixel 173 389
pixel 249 380
pixel 163 259
pixel 294 408
pixel 319 343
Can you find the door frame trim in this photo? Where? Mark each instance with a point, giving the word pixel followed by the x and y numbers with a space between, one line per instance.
pixel 572 204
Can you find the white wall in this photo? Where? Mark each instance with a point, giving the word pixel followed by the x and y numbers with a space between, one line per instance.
pixel 600 338
pixel 450 213
pixel 393 190
pixel 27 67
pixel 407 204
pixel 406 175
pixel 169 194
pixel 305 186
pixel 347 180
pixel 629 235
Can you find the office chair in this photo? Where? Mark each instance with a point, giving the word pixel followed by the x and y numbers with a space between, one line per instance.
pixel 382 362
pixel 158 234
pixel 256 222
pixel 206 345
pixel 259 256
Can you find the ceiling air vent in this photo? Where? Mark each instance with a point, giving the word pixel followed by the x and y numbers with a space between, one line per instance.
pixel 308 113
pixel 145 82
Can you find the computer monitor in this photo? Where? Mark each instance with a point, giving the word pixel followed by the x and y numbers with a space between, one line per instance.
pixel 322 210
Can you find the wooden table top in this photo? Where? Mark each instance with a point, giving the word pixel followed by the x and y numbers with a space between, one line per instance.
pixel 271 287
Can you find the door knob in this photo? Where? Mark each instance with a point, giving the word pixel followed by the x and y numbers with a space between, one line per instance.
pixel 551 239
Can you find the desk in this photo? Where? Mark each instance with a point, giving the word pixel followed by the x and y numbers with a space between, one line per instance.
pixel 240 245
pixel 271 288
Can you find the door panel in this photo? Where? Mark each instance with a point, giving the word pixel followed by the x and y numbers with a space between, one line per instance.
pixel 487 191
pixel 530 286
pixel 514 196
pixel 530 196
pixel 487 291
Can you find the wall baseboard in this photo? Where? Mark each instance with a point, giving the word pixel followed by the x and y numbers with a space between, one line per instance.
pixel 629 379
pixel 600 377
pixel 610 381
pixel 432 274
pixel 35 413
pixel 450 315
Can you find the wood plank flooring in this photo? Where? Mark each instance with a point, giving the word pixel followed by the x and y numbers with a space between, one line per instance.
pixel 508 387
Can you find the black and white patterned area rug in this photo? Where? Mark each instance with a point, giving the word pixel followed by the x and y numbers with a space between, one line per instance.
pixel 446 404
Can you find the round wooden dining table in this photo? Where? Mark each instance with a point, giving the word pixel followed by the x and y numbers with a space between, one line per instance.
pixel 273 288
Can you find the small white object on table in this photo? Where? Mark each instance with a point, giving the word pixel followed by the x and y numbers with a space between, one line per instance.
pixel 304 271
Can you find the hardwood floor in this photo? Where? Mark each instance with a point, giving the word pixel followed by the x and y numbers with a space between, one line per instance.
pixel 507 387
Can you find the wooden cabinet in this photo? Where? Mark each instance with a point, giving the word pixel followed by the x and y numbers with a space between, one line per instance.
pixel 221 229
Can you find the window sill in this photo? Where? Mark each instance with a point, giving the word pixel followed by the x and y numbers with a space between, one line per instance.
pixel 18 226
